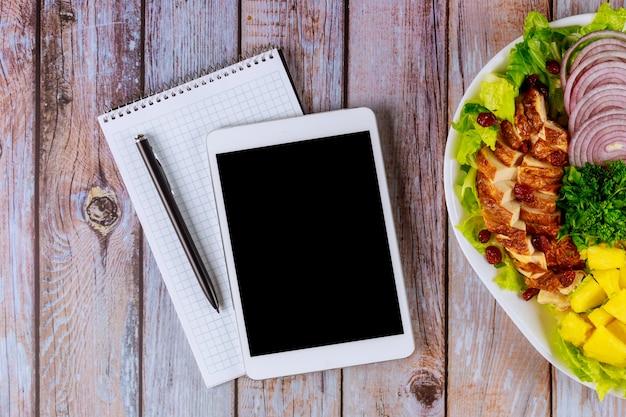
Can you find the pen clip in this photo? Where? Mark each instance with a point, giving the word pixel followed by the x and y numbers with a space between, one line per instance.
pixel 140 138
pixel 163 176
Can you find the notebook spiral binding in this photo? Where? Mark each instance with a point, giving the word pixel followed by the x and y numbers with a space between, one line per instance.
pixel 197 80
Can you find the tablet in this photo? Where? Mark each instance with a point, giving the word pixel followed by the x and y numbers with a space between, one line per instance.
pixel 310 243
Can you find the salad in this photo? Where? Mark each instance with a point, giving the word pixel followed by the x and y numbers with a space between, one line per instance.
pixel 542 180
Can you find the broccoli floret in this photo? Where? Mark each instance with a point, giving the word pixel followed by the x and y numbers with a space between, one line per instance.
pixel 615 184
pixel 593 200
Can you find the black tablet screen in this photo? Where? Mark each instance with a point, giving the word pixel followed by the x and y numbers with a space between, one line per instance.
pixel 309 243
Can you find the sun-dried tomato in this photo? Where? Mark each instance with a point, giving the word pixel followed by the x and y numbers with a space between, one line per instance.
pixel 558 158
pixel 541 243
pixel 493 255
pixel 567 277
pixel 484 236
pixel 553 66
pixel 486 119
pixel 525 148
pixel 532 81
pixel 523 193
pixel 530 293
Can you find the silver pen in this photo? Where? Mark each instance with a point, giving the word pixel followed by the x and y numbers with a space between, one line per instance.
pixel 165 192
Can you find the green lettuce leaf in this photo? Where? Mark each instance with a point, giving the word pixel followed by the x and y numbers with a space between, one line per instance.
pixel 498 95
pixel 606 18
pixel 541 44
pixel 508 277
pixel 606 377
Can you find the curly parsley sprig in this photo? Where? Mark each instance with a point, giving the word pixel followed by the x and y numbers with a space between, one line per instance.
pixel 593 201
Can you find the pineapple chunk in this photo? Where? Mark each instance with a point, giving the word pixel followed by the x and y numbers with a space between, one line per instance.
pixel 622 277
pixel 604 257
pixel 588 295
pixel 575 329
pixel 616 306
pixel 606 347
pixel 600 317
pixel 618 329
pixel 608 280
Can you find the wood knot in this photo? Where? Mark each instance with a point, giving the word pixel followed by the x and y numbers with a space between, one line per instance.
pixel 426 387
pixel 101 209
pixel 66 12
pixel 64 92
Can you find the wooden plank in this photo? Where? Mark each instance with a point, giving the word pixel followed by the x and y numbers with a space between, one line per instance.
pixel 313 394
pixel 182 39
pixel 571 398
pixel 395 67
pixel 311 35
pixel 90 312
pixel 172 383
pixel 18 245
pixel 493 370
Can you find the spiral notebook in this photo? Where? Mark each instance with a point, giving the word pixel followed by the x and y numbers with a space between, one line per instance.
pixel 177 121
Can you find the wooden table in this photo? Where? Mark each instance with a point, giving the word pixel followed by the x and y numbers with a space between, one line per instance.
pixel 87 326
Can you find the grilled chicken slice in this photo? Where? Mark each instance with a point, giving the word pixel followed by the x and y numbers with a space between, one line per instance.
pixel 556 298
pixel 531 270
pixel 548 281
pixel 507 212
pixel 506 154
pixel 545 202
pixel 492 167
pixel 536 258
pixel 563 254
pixel 520 245
pixel 533 215
pixel 540 175
pixel 501 191
pixel 521 124
pixel 534 107
pixel 556 136
pixel 495 225
pixel 548 230
pixel 544 152
pixel 510 135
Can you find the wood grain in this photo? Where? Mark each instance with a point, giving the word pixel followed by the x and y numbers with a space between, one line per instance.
pixel 87 327
pixel 18 245
pixel 394 67
pixel 90 311
pixel 311 35
pixel 180 41
pixel 520 382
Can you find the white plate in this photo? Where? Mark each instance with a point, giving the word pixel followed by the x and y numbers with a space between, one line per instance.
pixel 533 320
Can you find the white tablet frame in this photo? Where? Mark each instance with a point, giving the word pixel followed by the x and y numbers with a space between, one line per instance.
pixel 302 128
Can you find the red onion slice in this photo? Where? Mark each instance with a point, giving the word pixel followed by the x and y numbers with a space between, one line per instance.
pixel 597 100
pixel 600 138
pixel 604 45
pixel 605 72
pixel 600 34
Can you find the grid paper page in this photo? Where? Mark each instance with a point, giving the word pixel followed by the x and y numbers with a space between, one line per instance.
pixel 176 124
